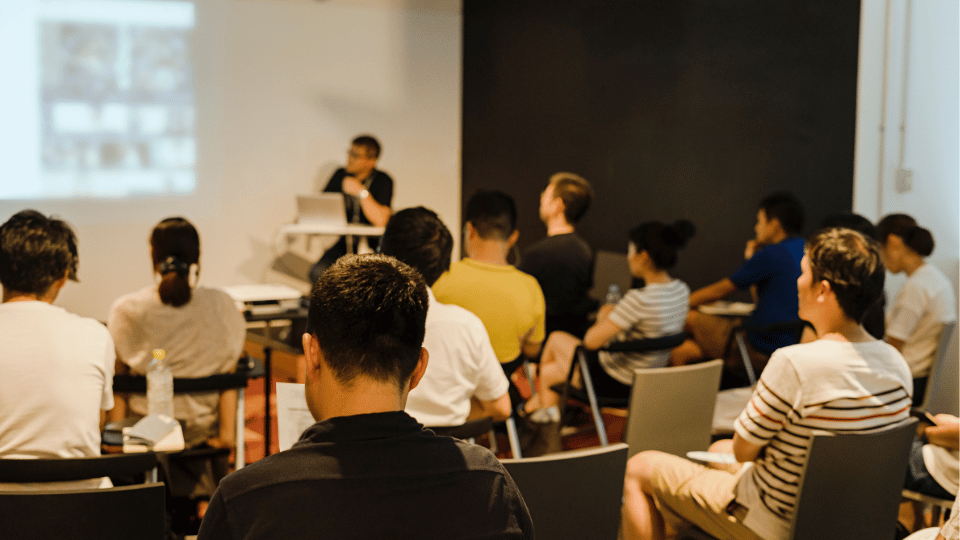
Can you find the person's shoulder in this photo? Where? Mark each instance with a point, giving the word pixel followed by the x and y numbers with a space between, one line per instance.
pixel 384 175
pixel 452 314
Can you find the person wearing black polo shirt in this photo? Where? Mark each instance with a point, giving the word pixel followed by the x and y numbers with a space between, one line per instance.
pixel 366 469
pixel 367 194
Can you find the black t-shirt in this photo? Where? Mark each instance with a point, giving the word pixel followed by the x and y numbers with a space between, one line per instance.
pixel 563 265
pixel 370 476
pixel 379 184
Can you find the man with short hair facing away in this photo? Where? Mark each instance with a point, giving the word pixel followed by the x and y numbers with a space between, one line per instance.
pixel 464 381
pixel 57 367
pixel 845 381
pixel 509 302
pixel 770 271
pixel 367 194
pixel 563 261
pixel 367 469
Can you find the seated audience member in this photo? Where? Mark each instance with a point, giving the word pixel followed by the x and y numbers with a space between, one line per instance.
pixel 935 459
pixel 203 334
pixel 873 319
pixel 924 303
pixel 656 310
pixel 509 302
pixel 367 469
pixel 845 381
pixel 771 270
pixel 563 261
pixel 464 381
pixel 57 366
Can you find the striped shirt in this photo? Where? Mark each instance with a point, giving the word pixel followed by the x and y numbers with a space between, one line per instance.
pixel 825 385
pixel 657 310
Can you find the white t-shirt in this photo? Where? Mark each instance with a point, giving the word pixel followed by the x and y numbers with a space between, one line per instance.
pixel 57 376
pixel 824 385
pixel 461 365
pixel 201 338
pixel 657 310
pixel 923 305
pixel 943 464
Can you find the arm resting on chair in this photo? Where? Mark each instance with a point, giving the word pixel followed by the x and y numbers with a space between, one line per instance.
pixel 946 433
pixel 714 291
pixel 497 409
pixel 228 421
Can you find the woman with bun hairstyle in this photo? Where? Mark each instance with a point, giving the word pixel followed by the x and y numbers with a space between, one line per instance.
pixel 657 309
pixel 924 303
pixel 200 329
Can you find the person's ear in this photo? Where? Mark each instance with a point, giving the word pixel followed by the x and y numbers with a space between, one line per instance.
pixel 311 353
pixel 514 236
pixel 419 370
pixel 824 290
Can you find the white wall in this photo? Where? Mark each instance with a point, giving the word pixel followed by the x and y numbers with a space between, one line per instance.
pixel 930 120
pixel 281 89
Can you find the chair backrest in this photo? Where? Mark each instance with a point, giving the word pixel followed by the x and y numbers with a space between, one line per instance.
pixel 247 368
pixel 937 379
pixel 69 469
pixel 575 494
pixel 851 483
pixel 105 514
pixel 671 408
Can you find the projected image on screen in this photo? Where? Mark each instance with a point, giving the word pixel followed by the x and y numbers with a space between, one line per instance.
pixel 116 101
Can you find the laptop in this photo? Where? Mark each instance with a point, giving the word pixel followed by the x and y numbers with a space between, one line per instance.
pixel 323 209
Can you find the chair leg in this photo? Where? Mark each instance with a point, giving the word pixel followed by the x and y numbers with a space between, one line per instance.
pixel 492 435
pixel 531 382
pixel 240 456
pixel 514 438
pixel 592 396
pixel 745 355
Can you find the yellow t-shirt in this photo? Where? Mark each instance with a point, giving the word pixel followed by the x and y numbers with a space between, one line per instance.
pixel 508 301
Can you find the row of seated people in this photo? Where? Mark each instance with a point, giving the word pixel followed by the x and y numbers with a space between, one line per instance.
pixel 487 402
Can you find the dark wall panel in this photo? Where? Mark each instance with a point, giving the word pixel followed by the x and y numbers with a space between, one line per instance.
pixel 692 109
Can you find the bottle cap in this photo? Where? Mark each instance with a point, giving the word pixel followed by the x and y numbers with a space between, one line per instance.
pixel 159 354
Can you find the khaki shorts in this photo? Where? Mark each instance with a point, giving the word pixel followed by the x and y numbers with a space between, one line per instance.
pixel 686 493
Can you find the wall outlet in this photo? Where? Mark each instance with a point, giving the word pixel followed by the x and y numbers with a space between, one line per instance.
pixel 904 180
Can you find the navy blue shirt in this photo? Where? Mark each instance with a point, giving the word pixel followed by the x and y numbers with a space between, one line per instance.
pixel 774 270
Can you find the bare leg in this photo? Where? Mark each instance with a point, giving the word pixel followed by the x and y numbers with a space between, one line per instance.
pixel 554 366
pixel 641 518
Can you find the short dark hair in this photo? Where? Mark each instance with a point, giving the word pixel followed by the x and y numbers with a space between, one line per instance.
pixel 914 236
pixel 662 241
pixel 786 209
pixel 851 263
pixel 370 143
pixel 36 251
pixel 417 237
pixel 493 214
pixel 368 313
pixel 849 220
pixel 176 246
pixel 575 192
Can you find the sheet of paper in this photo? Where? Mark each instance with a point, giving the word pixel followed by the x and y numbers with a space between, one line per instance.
pixel 293 416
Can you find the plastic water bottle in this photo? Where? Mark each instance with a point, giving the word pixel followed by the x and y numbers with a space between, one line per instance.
pixel 613 294
pixel 159 385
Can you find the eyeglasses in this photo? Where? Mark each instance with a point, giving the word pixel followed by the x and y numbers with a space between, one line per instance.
pixel 357 155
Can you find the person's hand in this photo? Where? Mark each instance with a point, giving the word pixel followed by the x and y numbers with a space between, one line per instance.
pixel 352 186
pixel 752 247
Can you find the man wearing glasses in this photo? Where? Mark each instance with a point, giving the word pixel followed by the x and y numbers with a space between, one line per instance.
pixel 367 193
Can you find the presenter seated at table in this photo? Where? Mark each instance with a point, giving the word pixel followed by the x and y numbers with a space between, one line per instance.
pixel 57 367
pixel 770 271
pixel 367 194
pixel 925 302
pixel 200 329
